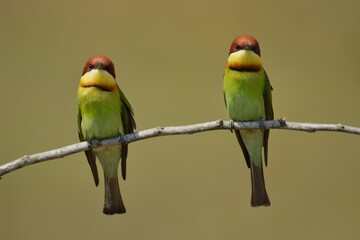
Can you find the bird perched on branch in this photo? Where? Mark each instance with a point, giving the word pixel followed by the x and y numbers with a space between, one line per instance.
pixel 247 93
pixel 103 112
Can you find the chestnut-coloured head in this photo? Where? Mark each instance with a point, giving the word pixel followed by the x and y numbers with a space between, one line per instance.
pixel 245 42
pixel 99 62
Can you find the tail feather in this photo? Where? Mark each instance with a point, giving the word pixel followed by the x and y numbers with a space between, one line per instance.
pixel 259 196
pixel 113 201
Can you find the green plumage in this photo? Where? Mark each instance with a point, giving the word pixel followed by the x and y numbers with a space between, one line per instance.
pixel 104 114
pixel 248 98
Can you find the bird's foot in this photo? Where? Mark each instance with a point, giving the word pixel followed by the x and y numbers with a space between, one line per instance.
pixel 231 125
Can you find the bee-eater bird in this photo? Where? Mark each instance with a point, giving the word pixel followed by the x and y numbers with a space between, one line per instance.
pixel 103 112
pixel 247 93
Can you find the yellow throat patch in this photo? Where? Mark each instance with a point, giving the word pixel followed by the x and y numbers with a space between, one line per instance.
pixel 244 60
pixel 98 78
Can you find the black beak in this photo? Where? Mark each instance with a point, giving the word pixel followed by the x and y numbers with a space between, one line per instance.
pixel 247 46
pixel 100 65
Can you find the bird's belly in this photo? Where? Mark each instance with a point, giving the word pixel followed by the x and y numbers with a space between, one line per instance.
pixel 100 119
pixel 246 108
pixel 100 127
pixel 109 158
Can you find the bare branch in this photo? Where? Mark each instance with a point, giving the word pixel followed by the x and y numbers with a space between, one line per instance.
pixel 167 131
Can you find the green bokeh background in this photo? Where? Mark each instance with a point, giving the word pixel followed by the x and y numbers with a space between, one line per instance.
pixel 170 59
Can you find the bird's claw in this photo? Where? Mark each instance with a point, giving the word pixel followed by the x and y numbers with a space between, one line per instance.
pixel 231 125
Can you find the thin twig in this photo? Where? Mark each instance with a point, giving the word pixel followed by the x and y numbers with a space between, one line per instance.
pixel 167 131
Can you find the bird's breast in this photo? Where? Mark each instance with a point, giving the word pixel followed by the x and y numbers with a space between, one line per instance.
pixel 100 113
pixel 244 95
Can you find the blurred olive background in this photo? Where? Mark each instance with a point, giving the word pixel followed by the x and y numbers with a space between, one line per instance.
pixel 170 59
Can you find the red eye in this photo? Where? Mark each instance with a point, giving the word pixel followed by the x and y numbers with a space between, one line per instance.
pixel 91 66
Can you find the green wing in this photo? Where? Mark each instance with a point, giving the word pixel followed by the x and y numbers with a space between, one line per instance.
pixel 127 118
pixel 269 113
pixel 90 155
